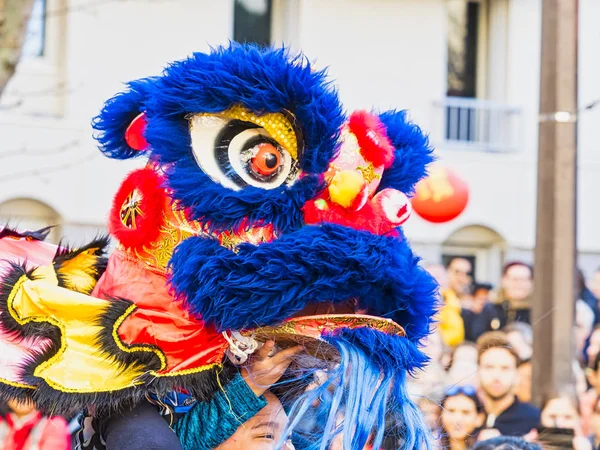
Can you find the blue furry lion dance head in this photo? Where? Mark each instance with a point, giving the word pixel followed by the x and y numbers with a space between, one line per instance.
pixel 263 212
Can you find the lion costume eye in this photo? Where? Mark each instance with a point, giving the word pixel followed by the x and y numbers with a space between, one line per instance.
pixel 238 153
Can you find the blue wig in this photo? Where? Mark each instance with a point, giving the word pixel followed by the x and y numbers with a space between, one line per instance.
pixel 364 398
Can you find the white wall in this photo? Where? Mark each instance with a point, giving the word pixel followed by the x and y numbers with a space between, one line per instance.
pixel 97 49
pixel 382 53
pixel 589 128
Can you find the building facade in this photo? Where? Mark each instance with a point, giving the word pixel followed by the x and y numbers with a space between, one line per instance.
pixel 468 72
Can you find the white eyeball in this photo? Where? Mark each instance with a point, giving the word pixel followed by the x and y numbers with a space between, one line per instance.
pixel 237 154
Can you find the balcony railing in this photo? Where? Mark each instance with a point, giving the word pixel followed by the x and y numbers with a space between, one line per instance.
pixel 480 125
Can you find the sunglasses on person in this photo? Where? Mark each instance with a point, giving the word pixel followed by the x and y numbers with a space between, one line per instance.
pixel 467 390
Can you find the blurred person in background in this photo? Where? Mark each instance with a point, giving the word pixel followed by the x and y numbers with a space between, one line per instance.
pixel 513 302
pixel 592 349
pixel 523 389
pixel 595 283
pixel 438 272
pixel 433 345
pixel 481 316
pixel 463 365
pixel 520 337
pixel 594 426
pixel 462 417
pixel 506 443
pixel 562 411
pixel 24 428
pixel 451 323
pixel 587 296
pixel 431 410
pixel 584 325
pixel 498 376
pixel 590 398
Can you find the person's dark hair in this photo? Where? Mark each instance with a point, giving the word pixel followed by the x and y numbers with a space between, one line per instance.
pixel 596 362
pixel 495 339
pixel 469 392
pixel 580 278
pixel 454 258
pixel 506 443
pixel 481 286
pixel 514 264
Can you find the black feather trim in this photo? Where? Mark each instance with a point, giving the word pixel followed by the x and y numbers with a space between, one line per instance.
pixel 148 361
pixel 9 323
pixel 38 235
pixel 10 392
pixel 65 253
pixel 198 384
pixel 202 386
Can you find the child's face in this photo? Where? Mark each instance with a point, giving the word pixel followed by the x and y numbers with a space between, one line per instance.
pixel 21 408
pixel 261 432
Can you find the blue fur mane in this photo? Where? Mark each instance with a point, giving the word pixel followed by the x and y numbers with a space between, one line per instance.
pixel 117 114
pixel 413 152
pixel 265 284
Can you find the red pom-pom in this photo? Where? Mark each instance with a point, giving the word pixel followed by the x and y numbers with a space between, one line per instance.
pixel 371 134
pixel 137 212
pixel 134 135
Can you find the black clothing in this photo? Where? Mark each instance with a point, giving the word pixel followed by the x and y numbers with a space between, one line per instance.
pixel 518 420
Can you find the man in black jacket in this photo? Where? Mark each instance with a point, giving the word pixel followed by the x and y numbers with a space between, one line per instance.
pixel 497 380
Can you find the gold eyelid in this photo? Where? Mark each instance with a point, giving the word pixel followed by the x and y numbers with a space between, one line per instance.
pixel 276 124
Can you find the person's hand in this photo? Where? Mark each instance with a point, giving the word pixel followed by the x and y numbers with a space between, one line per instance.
pixel 264 370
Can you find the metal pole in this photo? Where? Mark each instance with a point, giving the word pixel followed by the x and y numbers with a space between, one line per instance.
pixel 555 253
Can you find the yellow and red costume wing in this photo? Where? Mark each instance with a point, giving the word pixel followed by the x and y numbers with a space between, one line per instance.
pixel 68 340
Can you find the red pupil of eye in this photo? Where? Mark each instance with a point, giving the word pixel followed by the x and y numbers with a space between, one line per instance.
pixel 267 159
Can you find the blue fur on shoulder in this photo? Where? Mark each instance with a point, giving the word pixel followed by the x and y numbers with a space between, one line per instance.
pixel 413 152
pixel 364 398
pixel 265 284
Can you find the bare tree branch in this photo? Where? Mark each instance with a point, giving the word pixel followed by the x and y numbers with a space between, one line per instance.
pixel 14 16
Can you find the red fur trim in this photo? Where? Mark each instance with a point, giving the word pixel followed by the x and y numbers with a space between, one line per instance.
pixel 147 183
pixel 375 146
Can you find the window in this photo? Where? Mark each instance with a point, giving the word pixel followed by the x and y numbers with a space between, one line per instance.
pixel 252 21
pixel 463 30
pixel 35 36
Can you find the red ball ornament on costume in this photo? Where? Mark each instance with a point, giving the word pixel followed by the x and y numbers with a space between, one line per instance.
pixel 441 197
